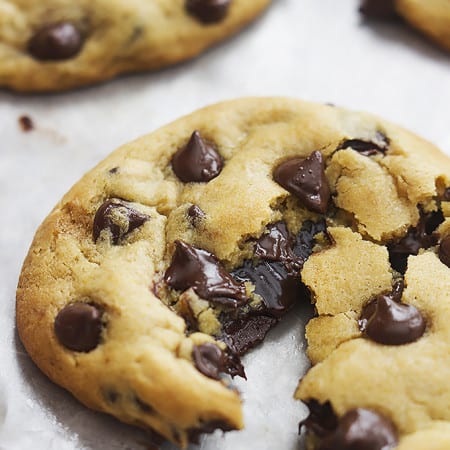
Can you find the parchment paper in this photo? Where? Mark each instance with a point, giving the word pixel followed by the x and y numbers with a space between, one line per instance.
pixel 311 49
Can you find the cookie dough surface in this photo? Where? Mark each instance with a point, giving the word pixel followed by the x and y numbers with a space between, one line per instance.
pixel 431 17
pixel 143 285
pixel 58 44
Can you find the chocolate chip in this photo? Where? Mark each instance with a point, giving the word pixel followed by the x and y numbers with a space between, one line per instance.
pixel 198 269
pixel 421 236
pixel 380 145
pixel 209 360
pixel 198 161
pixel 305 178
pixel 379 9
pixel 119 218
pixel 26 124
pixel 110 395
pixel 387 321
pixel 444 251
pixel 208 11
pixel 195 215
pixel 361 429
pixel 56 42
pixel 321 420
pixel 114 170
pixel 243 334
pixel 208 427
pixel 78 327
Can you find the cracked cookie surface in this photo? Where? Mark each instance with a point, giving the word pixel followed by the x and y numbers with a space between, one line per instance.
pixel 182 249
pixel 58 44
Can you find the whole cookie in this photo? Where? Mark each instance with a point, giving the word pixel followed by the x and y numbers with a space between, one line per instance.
pixel 431 17
pixel 58 44
pixel 181 250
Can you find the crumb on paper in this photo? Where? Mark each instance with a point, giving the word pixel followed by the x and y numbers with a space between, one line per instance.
pixel 26 123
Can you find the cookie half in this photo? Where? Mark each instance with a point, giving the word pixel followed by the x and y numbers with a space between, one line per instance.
pixel 181 250
pixel 58 44
pixel 431 17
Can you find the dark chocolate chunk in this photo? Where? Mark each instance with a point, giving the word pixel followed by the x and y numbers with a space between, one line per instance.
pixel 195 215
pixel 243 334
pixel 26 124
pixel 305 178
pixel 119 218
pixel 421 236
pixel 380 145
pixel 444 251
pixel 198 269
pixel 378 9
pixel 276 278
pixel 208 11
pixel 56 42
pixel 79 326
pixel 387 321
pixel 198 161
pixel 208 427
pixel 209 360
pixel 276 244
pixel 321 419
pixel 361 429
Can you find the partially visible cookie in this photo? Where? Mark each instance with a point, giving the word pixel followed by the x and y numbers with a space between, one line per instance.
pixel 180 251
pixel 54 45
pixel 431 17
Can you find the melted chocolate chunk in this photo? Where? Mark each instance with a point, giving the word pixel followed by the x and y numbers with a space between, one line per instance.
pixel 208 11
pixel 208 427
pixel 198 161
pixel 209 360
pixel 305 178
pixel 79 326
pixel 198 269
pixel 444 251
pixel 276 278
pixel 26 123
pixel 421 236
pixel 387 321
pixel 361 429
pixel 56 42
pixel 119 218
pixel 379 9
pixel 276 245
pixel 321 419
pixel 380 145
pixel 195 215
pixel 243 334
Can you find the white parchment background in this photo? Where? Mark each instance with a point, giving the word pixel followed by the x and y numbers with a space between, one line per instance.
pixel 311 49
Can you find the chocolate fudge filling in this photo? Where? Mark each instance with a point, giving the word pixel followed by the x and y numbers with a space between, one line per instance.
pixel 56 42
pixel 79 326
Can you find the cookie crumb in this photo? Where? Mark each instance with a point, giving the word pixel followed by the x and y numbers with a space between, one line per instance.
pixel 26 124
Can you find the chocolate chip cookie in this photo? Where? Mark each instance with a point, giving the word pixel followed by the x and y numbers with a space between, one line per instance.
pixel 180 251
pixel 55 44
pixel 431 17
